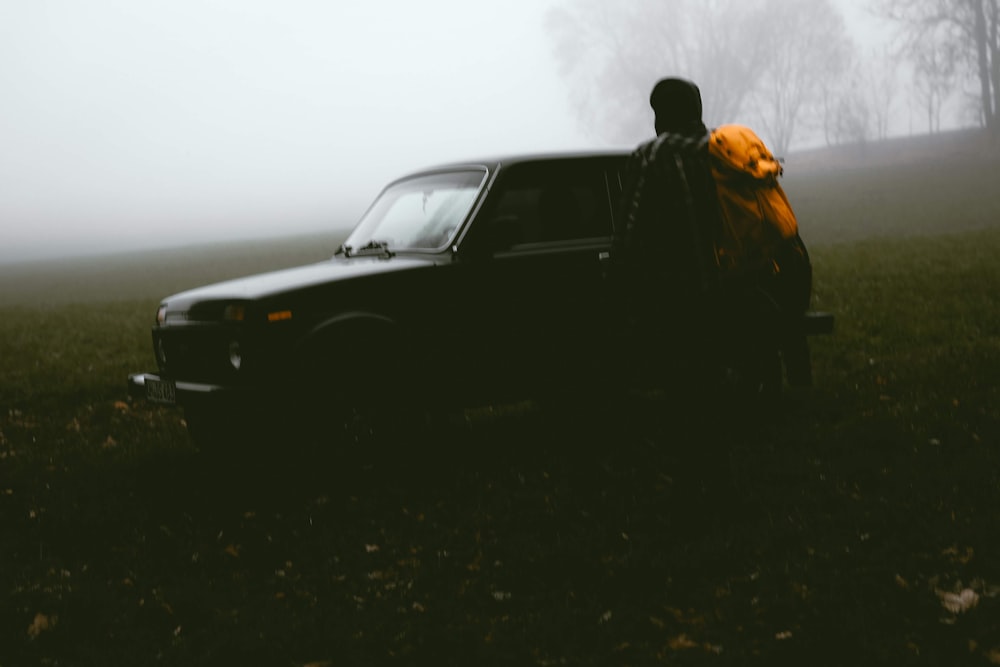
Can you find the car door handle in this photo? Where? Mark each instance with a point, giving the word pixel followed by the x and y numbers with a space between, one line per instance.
pixel 604 264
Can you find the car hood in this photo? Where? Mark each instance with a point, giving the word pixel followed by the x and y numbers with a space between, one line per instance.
pixel 264 285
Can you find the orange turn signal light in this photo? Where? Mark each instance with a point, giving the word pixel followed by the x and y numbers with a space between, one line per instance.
pixel 279 316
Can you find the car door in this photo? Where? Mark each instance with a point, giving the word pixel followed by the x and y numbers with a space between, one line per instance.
pixel 537 292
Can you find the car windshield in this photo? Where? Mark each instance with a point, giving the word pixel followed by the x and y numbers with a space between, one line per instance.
pixel 421 213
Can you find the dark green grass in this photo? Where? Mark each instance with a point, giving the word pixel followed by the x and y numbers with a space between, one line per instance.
pixel 637 533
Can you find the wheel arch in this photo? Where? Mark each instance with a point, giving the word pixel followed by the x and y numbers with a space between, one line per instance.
pixel 345 329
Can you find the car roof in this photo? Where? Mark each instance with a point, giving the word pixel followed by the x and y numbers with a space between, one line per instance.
pixel 497 161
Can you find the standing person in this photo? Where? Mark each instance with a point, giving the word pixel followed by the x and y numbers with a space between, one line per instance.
pixel 693 315
pixel 664 249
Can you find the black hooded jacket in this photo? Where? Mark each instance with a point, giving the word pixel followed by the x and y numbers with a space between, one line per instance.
pixel 664 248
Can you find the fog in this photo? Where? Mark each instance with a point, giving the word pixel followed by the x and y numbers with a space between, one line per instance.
pixel 151 124
pixel 134 124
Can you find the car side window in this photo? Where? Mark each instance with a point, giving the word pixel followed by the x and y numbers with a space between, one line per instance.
pixel 548 203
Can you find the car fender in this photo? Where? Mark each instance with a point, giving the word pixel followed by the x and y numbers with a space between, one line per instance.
pixel 346 329
pixel 355 354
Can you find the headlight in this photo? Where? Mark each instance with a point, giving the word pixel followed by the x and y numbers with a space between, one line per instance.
pixel 161 314
pixel 235 355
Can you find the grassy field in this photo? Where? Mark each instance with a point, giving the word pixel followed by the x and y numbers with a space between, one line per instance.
pixel 858 526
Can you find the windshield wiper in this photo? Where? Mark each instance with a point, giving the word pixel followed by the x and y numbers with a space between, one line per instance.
pixel 380 248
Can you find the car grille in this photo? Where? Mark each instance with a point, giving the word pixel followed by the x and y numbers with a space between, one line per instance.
pixel 194 355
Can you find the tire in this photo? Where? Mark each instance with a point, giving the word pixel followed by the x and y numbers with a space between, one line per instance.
pixel 370 425
pixel 362 405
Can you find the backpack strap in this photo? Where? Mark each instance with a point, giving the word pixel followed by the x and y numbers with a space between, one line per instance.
pixel 647 154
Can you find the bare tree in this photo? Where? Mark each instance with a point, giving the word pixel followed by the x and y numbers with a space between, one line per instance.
pixel 847 109
pixel 756 61
pixel 986 35
pixel 613 53
pixel 970 29
pixel 809 52
pixel 935 63
pixel 880 79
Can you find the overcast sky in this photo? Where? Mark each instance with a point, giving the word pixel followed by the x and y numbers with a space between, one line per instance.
pixel 137 123
pixel 149 122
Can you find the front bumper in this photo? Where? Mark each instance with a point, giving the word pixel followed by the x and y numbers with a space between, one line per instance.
pixel 156 389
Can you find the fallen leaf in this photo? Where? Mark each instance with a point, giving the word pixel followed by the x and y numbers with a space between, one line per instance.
pixel 681 642
pixel 958 603
pixel 957 555
pixel 40 624
pixel 473 566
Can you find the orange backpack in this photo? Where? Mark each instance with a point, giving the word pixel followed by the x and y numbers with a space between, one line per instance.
pixel 757 221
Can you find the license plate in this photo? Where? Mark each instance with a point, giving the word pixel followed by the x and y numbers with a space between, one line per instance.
pixel 161 391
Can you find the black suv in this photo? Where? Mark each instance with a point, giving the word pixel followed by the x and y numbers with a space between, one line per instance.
pixel 461 284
